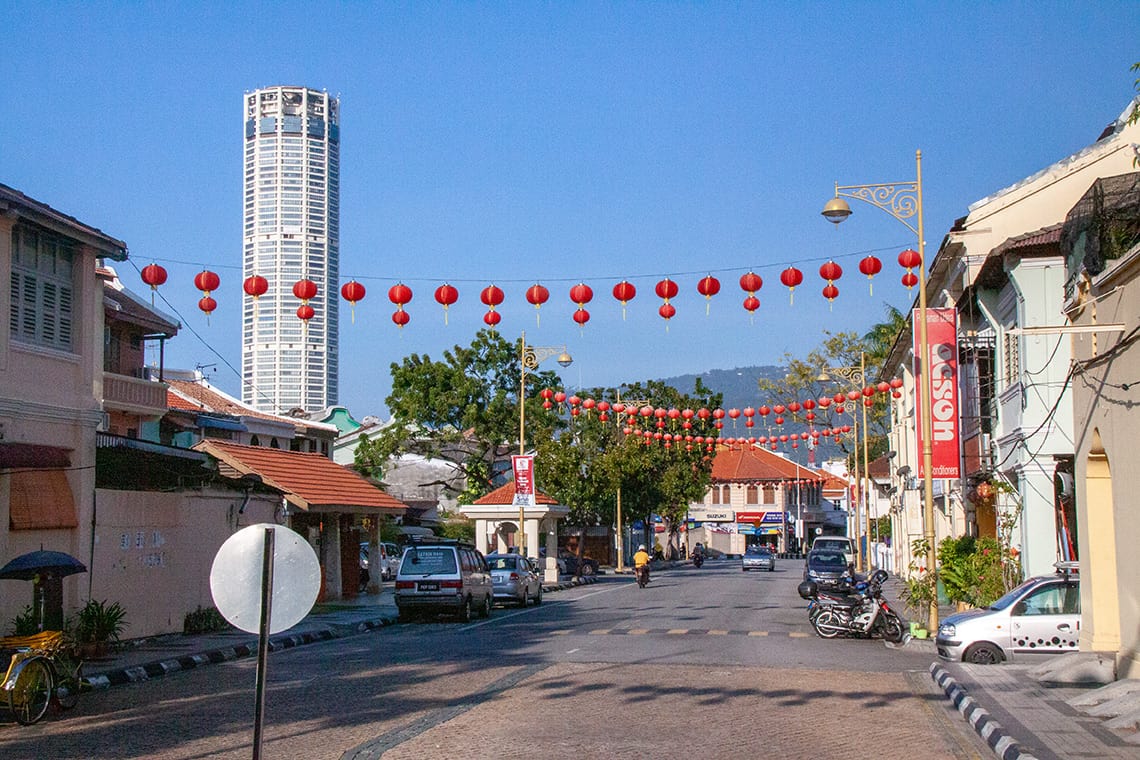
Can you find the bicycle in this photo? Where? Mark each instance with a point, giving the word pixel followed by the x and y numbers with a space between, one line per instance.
pixel 40 672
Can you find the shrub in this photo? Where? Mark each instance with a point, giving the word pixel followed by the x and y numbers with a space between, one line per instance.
pixel 99 622
pixel 204 620
pixel 24 624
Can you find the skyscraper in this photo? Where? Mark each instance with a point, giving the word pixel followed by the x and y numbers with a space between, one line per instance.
pixel 291 231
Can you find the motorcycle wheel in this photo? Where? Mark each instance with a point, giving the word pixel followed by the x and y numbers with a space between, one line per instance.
pixel 827 625
pixel 893 630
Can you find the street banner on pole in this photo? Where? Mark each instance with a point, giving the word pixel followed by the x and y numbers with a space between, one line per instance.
pixel 942 338
pixel 523 466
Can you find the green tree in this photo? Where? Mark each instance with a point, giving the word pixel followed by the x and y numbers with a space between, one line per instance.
pixel 461 409
pixel 585 465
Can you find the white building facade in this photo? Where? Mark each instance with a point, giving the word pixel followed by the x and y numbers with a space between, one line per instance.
pixel 291 232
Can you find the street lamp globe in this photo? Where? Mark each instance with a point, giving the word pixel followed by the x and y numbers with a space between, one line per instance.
pixel 565 359
pixel 836 210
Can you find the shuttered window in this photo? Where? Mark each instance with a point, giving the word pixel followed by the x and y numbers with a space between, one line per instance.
pixel 42 290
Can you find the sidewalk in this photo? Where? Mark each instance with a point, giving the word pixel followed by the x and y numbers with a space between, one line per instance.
pixel 158 656
pixel 1018 716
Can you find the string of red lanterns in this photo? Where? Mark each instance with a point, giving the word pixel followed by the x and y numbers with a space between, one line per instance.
pixel 254 286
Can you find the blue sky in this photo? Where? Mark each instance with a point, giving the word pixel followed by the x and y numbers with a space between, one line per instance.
pixel 556 142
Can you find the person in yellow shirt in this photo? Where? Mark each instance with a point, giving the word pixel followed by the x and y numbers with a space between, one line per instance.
pixel 641 564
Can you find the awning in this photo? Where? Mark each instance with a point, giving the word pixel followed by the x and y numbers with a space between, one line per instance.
pixel 41 499
pixel 219 423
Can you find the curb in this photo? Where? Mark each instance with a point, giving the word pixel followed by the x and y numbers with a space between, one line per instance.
pixel 998 739
pixel 161 668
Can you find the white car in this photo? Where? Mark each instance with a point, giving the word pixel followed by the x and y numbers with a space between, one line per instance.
pixel 1040 617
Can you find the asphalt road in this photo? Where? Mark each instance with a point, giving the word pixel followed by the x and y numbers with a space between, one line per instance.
pixel 713 662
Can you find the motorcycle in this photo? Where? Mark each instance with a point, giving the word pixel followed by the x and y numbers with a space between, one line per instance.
pixel 642 574
pixel 863 614
pixel 698 559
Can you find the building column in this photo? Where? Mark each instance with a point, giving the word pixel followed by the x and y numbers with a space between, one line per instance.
pixel 550 573
pixel 481 535
pixel 500 539
pixel 532 536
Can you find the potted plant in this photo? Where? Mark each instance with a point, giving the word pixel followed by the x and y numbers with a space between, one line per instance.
pixel 921 590
pixel 97 624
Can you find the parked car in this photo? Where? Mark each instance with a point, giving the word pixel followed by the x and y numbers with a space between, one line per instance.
pixel 835 543
pixel 1040 617
pixel 758 558
pixel 826 567
pixel 569 560
pixel 441 576
pixel 389 560
pixel 514 579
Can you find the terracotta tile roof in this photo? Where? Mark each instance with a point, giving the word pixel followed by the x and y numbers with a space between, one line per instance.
pixel 880 468
pixel 175 401
pixel 752 463
pixel 506 495
pixel 309 480
pixel 210 400
pixel 1046 236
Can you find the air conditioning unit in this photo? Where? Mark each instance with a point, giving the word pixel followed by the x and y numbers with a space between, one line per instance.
pixel 912 484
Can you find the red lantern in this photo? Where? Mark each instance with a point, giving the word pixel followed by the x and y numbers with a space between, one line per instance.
pixel 824 402
pixel 153 275
pixel 624 292
pixel 809 404
pixel 883 386
pixel 255 286
pixel 207 304
pixel 870 266
pixel 896 382
pixel 708 287
pixel 352 292
pixel 398 294
pixel 667 311
pixel 750 282
pixel 764 411
pixel 791 277
pixel 581 294
pixel 537 295
pixel 910 279
pixel 207 282
pixel 667 289
pixel 401 318
pixel 830 292
pixel 305 313
pixel 581 316
pixel 305 289
pixel 492 296
pixel 909 259
pixel 559 397
pixel 794 407
pixel 830 272
pixel 751 304
pixel 445 296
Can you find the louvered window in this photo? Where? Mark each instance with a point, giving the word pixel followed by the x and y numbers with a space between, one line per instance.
pixel 42 290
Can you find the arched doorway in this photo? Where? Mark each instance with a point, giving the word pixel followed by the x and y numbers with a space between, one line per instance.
pixel 1100 626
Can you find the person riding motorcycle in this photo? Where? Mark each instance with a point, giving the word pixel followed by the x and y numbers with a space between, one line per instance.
pixel 641 562
pixel 698 555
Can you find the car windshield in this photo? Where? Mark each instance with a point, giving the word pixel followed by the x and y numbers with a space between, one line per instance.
pixel 757 550
pixel 827 560
pixel 428 561
pixel 838 546
pixel 502 563
pixel 1013 596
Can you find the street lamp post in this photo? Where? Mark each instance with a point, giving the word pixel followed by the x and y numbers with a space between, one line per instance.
pixel 903 200
pixel 620 535
pixel 529 358
pixel 857 376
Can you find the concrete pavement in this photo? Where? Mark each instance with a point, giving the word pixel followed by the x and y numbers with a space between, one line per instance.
pixel 1019 717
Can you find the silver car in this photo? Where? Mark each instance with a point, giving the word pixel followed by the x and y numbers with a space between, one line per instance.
pixel 514 579
pixel 1040 617
pixel 758 558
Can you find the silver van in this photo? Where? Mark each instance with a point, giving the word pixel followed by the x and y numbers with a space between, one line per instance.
pixel 441 576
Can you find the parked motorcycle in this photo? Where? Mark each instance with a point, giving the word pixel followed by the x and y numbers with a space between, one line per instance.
pixel 863 613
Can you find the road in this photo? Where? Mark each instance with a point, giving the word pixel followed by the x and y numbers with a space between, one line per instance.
pixel 712 662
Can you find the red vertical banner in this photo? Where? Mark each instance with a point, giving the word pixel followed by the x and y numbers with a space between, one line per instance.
pixel 523 465
pixel 942 360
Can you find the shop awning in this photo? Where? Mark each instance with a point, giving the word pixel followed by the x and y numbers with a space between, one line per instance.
pixel 41 499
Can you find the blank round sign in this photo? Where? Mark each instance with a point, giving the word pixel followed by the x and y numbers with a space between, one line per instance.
pixel 235 578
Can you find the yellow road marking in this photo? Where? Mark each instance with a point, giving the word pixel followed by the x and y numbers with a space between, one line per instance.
pixel 599 631
pixel 797 635
pixel 559 633
pixel 718 633
pixel 757 633
pixel 677 631
pixel 637 631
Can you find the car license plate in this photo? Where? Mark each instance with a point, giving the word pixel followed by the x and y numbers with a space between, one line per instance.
pixel 428 587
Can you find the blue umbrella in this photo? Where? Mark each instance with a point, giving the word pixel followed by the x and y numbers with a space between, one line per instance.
pixel 27 566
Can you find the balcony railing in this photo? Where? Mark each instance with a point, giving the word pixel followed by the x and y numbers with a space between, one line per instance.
pixel 132 395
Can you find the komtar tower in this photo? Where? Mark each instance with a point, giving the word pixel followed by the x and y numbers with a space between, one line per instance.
pixel 291 232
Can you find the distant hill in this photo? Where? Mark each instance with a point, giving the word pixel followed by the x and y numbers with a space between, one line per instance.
pixel 738 385
pixel 740 390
